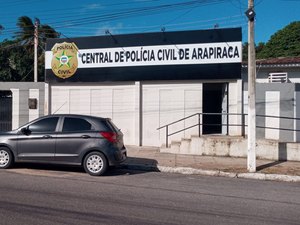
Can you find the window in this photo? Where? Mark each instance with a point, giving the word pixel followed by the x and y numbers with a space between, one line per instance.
pixel 278 78
pixel 106 125
pixel 76 124
pixel 44 125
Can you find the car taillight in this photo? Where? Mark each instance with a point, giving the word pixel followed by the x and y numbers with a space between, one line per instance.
pixel 110 136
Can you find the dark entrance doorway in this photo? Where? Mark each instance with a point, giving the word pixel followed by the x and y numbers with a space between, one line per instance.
pixel 5 110
pixel 214 101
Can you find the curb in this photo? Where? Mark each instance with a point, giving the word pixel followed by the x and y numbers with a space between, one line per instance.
pixel 270 177
pixel 215 173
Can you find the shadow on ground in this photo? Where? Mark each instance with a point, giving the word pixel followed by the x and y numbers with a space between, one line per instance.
pixel 268 165
pixel 131 166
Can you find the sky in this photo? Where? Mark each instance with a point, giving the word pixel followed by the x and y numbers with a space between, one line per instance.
pixel 76 18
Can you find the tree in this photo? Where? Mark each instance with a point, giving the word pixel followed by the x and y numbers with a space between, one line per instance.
pixel 15 63
pixel 17 55
pixel 284 43
pixel 26 31
pixel 245 51
pixel 258 49
pixel 26 37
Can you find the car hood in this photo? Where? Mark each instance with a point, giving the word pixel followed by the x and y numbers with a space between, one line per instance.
pixel 8 133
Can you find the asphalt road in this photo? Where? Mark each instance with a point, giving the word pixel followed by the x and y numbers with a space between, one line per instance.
pixel 55 195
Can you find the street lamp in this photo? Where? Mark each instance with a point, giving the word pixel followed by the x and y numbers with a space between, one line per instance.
pixel 250 14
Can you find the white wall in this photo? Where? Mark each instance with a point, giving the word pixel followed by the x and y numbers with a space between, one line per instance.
pixel 34 113
pixel 166 103
pixel 15 107
pixel 272 109
pixel 140 108
pixel 263 73
pixel 21 92
pixel 113 101
pixel 235 107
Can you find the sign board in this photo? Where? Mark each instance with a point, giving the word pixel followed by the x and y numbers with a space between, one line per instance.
pixel 208 54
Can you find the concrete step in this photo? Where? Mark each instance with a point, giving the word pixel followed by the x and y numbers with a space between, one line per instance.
pixel 173 148
pixel 234 146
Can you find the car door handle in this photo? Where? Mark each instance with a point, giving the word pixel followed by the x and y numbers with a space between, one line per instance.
pixel 85 136
pixel 47 136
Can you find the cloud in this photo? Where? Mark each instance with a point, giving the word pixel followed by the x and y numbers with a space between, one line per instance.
pixel 115 29
pixel 93 6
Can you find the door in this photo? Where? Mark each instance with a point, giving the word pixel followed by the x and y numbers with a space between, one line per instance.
pixel 37 142
pixel 213 104
pixel 225 116
pixel 5 110
pixel 77 135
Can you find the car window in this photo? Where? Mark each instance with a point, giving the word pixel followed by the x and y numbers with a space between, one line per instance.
pixel 103 125
pixel 44 125
pixel 76 124
pixel 106 125
pixel 113 125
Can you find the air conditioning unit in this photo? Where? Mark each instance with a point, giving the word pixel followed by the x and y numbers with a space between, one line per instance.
pixel 278 77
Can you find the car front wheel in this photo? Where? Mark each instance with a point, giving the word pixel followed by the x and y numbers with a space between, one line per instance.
pixel 95 164
pixel 6 158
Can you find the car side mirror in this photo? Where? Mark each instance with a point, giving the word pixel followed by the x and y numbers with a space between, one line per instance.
pixel 25 130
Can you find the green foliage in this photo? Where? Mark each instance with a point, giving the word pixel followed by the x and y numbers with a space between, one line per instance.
pixel 17 55
pixel 26 30
pixel 15 63
pixel 284 43
pixel 258 49
pixel 245 51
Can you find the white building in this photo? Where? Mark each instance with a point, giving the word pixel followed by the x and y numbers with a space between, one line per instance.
pixel 145 81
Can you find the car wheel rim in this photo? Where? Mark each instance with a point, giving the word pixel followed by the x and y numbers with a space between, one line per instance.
pixel 4 158
pixel 94 163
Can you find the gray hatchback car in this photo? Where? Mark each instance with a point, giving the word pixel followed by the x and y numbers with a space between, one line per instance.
pixel 93 142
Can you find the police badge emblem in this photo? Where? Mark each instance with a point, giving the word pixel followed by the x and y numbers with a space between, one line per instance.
pixel 64 60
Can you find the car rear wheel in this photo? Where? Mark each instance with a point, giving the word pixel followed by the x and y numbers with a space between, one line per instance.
pixel 6 158
pixel 95 164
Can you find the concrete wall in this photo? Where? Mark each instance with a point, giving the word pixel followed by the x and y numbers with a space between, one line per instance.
pixel 262 74
pixel 111 100
pixel 21 92
pixel 139 108
pixel 297 112
pixel 164 103
pixel 235 147
pixel 275 99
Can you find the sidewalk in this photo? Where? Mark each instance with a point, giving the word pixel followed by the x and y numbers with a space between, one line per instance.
pixel 150 159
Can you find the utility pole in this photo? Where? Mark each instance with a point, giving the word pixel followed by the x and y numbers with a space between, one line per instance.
pixel 251 153
pixel 36 42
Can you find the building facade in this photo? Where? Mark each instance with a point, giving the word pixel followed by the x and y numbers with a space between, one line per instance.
pixel 145 81
pixel 277 98
pixel 20 102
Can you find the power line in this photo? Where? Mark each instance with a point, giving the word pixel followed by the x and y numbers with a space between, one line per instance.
pixel 188 6
pixel 125 14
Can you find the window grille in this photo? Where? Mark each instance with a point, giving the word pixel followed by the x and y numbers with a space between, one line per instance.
pixel 278 77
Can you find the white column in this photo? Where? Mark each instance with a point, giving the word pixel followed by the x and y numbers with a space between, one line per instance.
pixel 34 113
pixel 47 100
pixel 15 108
pixel 138 114
pixel 272 109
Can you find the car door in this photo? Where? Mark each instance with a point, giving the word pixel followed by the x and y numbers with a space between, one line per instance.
pixel 36 142
pixel 76 136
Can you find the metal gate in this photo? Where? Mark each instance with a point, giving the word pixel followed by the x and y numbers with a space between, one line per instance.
pixel 5 110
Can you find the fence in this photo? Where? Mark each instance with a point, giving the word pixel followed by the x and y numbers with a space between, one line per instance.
pixel 243 123
pixel 5 113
